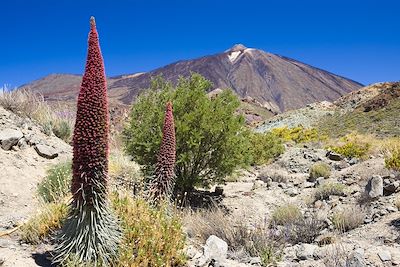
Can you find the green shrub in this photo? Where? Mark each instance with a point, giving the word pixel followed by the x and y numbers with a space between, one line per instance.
pixel 329 189
pixel 392 157
pixel 211 139
pixel 152 236
pixel 44 223
pixel 297 134
pixel 56 185
pixel 320 169
pixel 286 214
pixel 352 150
pixel 264 147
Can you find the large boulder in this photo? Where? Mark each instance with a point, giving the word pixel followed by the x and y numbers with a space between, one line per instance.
pixel 374 188
pixel 9 138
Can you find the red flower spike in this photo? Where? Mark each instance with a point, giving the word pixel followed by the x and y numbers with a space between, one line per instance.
pixel 90 140
pixel 165 166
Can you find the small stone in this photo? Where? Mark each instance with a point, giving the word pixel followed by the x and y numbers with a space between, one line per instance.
pixel 308 185
pixel 22 143
pixel 46 151
pixel 391 209
pixel 292 192
pixel 255 261
pixel 334 156
pixel 384 255
pixel 219 190
pixel 353 161
pixel 356 260
pixel 191 252
pixel 257 184
pixel 320 181
pixel 390 188
pixel 305 251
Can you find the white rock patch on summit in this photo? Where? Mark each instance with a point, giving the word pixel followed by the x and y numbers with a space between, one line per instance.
pixel 234 55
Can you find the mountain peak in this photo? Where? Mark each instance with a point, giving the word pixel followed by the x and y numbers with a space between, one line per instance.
pixel 236 47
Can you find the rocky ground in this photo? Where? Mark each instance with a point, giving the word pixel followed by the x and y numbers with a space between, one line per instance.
pixel 375 242
pixel 26 153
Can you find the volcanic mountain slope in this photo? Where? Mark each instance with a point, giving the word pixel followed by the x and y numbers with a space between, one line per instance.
pixel 279 83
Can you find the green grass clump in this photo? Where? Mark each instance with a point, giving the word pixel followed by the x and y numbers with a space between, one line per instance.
pixel 44 223
pixel 286 214
pixel 297 134
pixel 151 236
pixel 56 185
pixel 265 147
pixel 329 189
pixel 320 169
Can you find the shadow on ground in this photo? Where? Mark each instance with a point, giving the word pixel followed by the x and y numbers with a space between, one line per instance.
pixel 42 259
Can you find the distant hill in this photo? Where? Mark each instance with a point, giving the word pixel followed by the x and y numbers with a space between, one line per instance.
pixel 276 82
pixel 373 109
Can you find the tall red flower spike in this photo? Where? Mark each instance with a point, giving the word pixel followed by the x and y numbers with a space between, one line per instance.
pixel 91 232
pixel 90 140
pixel 165 167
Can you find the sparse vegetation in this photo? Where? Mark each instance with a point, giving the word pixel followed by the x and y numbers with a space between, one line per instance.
pixel 285 214
pixel 264 147
pixel 382 122
pixel 31 105
pixel 151 236
pixel 303 230
pixel 257 240
pixel 348 219
pixel 329 189
pixel 56 185
pixel 320 169
pixel 41 225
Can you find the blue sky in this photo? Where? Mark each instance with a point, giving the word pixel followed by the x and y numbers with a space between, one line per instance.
pixel 356 39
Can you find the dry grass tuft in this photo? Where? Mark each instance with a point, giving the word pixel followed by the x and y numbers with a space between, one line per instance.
pixel 31 105
pixel 257 240
pixel 44 223
pixel 348 219
pixel 124 172
pixel 320 169
pixel 329 189
pixel 286 214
